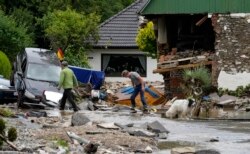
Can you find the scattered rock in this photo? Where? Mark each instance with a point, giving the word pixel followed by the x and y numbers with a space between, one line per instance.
pixel 207 152
pixel 79 119
pixel 108 126
pixel 183 150
pixel 157 127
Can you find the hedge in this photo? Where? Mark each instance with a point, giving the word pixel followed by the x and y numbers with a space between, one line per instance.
pixel 5 65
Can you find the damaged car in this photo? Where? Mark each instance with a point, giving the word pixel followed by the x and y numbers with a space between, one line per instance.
pixel 36 72
pixel 7 92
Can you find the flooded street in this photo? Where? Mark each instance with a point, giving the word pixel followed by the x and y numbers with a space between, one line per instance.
pixel 226 137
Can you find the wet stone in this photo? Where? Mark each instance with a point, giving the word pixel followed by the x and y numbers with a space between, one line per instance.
pixel 130 125
pixel 183 150
pixel 120 125
pixel 207 152
pixel 79 119
pixel 162 135
pixel 141 133
pixel 157 127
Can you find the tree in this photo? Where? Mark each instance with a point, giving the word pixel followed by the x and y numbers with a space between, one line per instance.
pixel 146 40
pixel 29 12
pixel 70 31
pixel 13 37
pixel 104 8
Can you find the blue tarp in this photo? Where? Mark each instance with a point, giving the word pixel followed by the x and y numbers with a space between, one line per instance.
pixel 129 90
pixel 85 75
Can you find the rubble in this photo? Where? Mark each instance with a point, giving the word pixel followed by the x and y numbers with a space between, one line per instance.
pixel 39 129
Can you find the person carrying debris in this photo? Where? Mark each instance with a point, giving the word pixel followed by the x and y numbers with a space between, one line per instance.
pixel 67 82
pixel 139 87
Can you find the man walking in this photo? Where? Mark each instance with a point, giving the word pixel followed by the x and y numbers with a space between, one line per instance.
pixel 67 82
pixel 139 87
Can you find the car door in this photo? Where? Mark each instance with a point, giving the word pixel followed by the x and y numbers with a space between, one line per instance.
pixel 21 68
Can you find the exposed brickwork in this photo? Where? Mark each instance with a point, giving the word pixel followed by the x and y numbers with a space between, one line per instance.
pixel 233 44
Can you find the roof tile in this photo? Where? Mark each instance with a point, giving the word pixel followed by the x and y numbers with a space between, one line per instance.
pixel 121 29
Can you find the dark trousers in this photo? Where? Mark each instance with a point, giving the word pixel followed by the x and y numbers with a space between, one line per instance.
pixel 67 94
pixel 138 90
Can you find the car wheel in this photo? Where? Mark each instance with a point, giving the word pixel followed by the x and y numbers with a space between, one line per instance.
pixel 20 99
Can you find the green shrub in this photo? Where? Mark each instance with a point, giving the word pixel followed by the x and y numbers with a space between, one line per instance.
pixel 196 81
pixel 6 112
pixel 5 66
pixel 12 134
pixel 146 40
pixel 239 92
pixel 2 126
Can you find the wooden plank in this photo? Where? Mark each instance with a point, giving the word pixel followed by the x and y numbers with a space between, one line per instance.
pixel 182 67
pixel 174 63
pixel 167 64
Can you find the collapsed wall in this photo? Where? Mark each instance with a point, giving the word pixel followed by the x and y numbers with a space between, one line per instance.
pixel 232 43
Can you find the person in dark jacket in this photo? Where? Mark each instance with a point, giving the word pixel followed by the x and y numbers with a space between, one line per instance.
pixel 139 87
pixel 67 82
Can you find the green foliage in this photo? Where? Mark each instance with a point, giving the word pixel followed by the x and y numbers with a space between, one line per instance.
pixel 196 81
pixel 239 92
pixel 200 74
pixel 5 112
pixel 2 126
pixel 62 143
pixel 146 40
pixel 13 37
pixel 79 59
pixel 5 66
pixel 28 12
pixel 12 134
pixel 70 30
pixel 104 8
pixel 24 17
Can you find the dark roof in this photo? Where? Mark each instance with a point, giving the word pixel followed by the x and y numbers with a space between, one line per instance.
pixel 158 7
pixel 43 56
pixel 120 30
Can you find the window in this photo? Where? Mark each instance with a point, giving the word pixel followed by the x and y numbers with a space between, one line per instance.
pixel 43 72
pixel 114 64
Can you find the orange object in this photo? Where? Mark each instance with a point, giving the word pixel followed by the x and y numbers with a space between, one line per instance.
pixel 124 99
pixel 60 54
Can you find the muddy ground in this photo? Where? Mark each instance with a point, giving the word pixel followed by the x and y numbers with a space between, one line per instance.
pixel 42 134
pixel 49 134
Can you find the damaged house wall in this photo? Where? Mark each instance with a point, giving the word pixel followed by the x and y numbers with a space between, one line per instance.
pixel 226 36
pixel 233 43
pixel 180 39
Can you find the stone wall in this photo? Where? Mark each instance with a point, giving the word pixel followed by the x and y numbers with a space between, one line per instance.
pixel 233 43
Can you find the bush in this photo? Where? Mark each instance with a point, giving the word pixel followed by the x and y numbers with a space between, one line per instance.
pixel 146 40
pixel 5 66
pixel 13 36
pixel 196 81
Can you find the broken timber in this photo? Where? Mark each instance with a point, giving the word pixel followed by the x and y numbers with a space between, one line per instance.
pixel 163 70
pixel 175 63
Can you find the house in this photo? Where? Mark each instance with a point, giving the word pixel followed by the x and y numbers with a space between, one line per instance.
pixel 117 50
pixel 209 32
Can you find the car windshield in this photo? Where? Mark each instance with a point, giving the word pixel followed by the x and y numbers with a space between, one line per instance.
pixel 43 72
